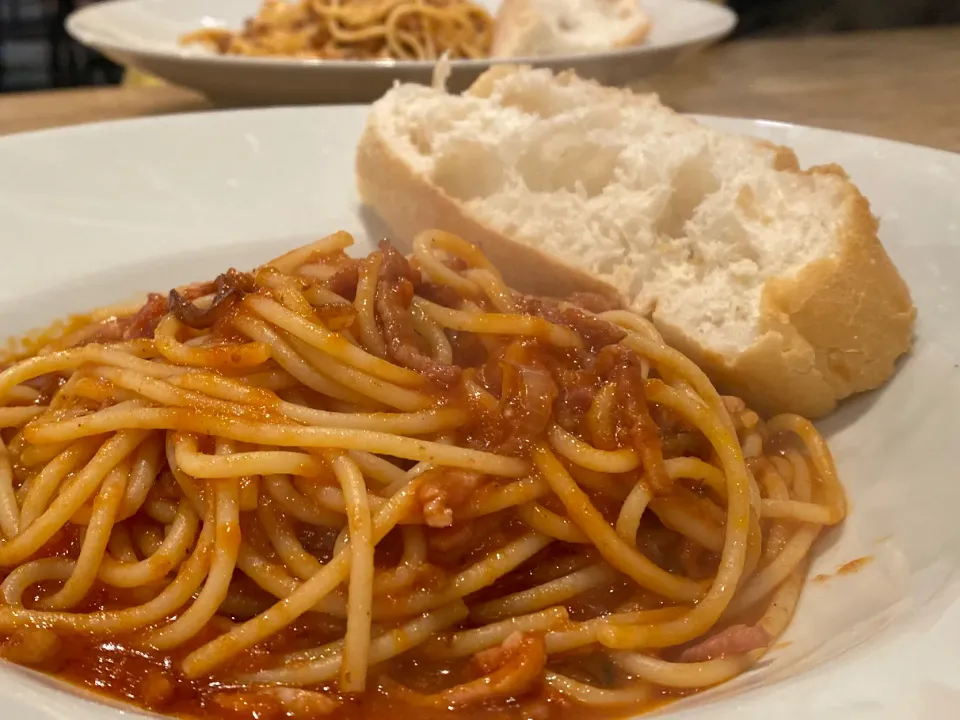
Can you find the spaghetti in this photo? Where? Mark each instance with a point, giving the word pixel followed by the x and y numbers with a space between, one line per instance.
pixel 357 30
pixel 347 487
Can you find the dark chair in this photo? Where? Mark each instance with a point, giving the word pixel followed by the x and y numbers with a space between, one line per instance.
pixel 42 22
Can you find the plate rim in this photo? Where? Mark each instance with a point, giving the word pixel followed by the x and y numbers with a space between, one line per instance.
pixel 706 118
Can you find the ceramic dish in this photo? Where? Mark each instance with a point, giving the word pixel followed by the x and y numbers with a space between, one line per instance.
pixel 144 34
pixel 94 214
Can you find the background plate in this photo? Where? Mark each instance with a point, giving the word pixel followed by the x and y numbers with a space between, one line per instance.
pixel 144 34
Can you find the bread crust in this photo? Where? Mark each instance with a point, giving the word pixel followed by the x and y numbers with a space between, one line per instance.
pixel 835 328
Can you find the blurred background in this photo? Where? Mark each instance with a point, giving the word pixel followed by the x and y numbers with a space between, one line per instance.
pixel 37 54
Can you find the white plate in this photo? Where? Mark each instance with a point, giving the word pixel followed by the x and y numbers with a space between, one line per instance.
pixel 92 214
pixel 145 33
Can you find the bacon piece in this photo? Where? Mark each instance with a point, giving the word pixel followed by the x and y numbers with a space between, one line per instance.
pixel 393 307
pixel 594 332
pixel 735 640
pixel 394 296
pixel 468 350
pixel 444 491
pixel 230 287
pixel 527 393
pixel 395 266
pixel 573 403
pixel 336 316
pixel 140 325
pixel 437 294
pixel 612 357
pixel 509 670
pixel 578 385
pixel 344 280
pixel 47 385
pixel 518 377
pixel 145 322
pixel 594 302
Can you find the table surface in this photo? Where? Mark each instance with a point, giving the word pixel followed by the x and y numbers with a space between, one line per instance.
pixel 903 85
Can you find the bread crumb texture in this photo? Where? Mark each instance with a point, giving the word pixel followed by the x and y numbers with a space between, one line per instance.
pixel 763 273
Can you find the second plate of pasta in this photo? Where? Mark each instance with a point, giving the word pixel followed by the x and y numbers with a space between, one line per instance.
pixel 318 51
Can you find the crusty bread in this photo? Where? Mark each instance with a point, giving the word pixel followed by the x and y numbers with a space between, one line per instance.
pixel 538 28
pixel 769 277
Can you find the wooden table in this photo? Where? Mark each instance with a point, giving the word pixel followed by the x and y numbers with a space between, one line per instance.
pixel 903 85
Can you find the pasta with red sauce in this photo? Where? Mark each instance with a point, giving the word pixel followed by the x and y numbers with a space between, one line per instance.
pixel 344 487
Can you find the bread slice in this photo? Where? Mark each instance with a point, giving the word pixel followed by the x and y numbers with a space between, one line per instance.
pixel 771 278
pixel 538 28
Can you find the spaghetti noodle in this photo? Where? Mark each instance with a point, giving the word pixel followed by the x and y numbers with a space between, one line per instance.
pixel 357 30
pixel 347 487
